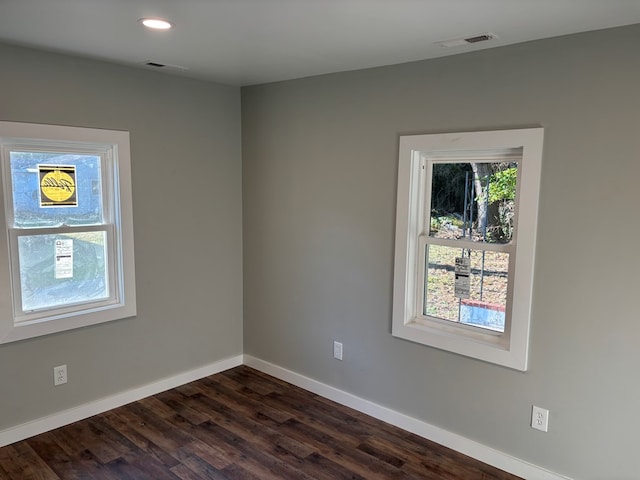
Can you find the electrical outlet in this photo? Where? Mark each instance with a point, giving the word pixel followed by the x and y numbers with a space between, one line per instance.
pixel 540 418
pixel 59 375
pixel 337 350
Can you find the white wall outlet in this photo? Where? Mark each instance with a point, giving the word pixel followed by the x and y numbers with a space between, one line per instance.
pixel 59 375
pixel 540 418
pixel 337 350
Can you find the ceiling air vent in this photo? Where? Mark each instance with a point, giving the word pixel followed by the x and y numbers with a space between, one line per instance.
pixel 456 42
pixel 479 38
pixel 164 66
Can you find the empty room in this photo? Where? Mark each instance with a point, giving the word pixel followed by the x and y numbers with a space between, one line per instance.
pixel 319 239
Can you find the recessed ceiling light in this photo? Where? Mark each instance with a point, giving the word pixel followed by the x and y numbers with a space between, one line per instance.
pixel 156 23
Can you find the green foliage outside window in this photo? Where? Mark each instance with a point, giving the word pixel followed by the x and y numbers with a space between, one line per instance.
pixel 502 185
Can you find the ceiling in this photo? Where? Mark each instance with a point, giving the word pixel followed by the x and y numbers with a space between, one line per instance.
pixel 245 42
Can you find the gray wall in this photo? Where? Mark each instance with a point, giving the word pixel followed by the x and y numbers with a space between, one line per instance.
pixel 186 170
pixel 319 186
pixel 319 183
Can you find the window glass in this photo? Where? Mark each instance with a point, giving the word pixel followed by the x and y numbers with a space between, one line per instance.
pixel 74 198
pixel 466 286
pixel 473 200
pixel 62 269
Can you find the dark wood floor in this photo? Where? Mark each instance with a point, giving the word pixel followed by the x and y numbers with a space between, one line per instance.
pixel 239 424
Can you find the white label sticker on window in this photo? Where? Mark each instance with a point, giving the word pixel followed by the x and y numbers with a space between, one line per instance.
pixel 64 258
pixel 462 273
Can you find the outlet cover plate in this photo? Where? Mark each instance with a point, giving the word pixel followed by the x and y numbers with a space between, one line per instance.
pixel 59 375
pixel 337 350
pixel 540 418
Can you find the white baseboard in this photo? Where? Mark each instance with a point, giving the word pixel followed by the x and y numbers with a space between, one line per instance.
pixel 41 425
pixel 451 440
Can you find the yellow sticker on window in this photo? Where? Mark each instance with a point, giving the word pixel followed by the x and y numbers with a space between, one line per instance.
pixel 58 186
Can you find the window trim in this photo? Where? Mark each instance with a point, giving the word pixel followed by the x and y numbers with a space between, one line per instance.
pixel 118 223
pixel 511 347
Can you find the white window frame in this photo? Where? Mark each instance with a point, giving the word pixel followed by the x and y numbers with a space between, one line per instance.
pixel 113 148
pixel 510 348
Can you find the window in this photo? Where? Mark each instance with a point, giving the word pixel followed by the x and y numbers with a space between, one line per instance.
pixel 68 247
pixel 465 242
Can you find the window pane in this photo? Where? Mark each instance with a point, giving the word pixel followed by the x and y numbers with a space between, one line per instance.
pixel 473 200
pixel 63 269
pixel 27 171
pixel 479 299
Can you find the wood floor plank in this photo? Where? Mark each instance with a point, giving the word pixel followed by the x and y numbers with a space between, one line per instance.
pixel 176 401
pixel 153 428
pixel 64 465
pixel 345 455
pixel 254 429
pixel 253 460
pixel 84 459
pixel 20 462
pixel 144 446
pixel 244 400
pixel 183 472
pixel 212 454
pixel 94 439
pixel 198 467
pixel 240 424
